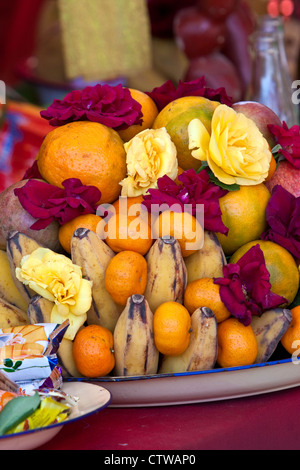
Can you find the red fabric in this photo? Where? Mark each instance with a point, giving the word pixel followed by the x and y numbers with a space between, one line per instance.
pixel 18 20
pixel 264 422
pixel 21 137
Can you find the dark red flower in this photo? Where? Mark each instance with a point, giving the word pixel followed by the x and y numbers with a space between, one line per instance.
pixel 46 202
pixel 194 189
pixel 283 217
pixel 289 141
pixel 112 106
pixel 32 172
pixel 167 92
pixel 245 288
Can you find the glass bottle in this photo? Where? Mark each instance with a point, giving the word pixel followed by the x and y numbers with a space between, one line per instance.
pixel 271 80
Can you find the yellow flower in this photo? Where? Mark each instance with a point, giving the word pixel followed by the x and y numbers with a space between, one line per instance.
pixel 150 155
pixel 236 151
pixel 54 277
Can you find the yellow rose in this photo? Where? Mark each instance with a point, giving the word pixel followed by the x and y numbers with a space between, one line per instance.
pixel 56 278
pixel 151 154
pixel 236 151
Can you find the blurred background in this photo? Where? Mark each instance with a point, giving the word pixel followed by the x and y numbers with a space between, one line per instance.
pixel 50 47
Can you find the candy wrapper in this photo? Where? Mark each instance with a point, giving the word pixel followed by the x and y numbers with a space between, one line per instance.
pixel 21 412
pixel 28 353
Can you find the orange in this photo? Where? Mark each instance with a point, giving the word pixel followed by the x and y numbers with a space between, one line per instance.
pixel 149 111
pixel 237 345
pixel 284 274
pixel 65 233
pixel 86 150
pixel 182 226
pixel 273 165
pixel 129 205
pixel 204 293
pixel 176 116
pixel 93 351
pixel 130 233
pixel 291 338
pixel 172 328
pixel 126 275
pixel 244 214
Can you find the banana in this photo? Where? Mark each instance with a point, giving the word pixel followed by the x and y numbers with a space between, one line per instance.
pixel 135 350
pixel 8 289
pixel 201 353
pixel 269 329
pixel 208 261
pixel 167 274
pixel 39 310
pixel 11 316
pixel 19 245
pixel 66 360
pixel 93 255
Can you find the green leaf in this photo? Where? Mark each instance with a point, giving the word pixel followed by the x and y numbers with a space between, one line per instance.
pixel 202 167
pixel 17 365
pixel 8 363
pixel 17 410
pixel 215 180
pixel 276 149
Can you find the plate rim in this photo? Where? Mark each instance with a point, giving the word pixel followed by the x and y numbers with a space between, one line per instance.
pixel 63 423
pixel 110 379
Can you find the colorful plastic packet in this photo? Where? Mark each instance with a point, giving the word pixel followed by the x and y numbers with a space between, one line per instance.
pixel 28 353
pixel 48 413
pixel 21 412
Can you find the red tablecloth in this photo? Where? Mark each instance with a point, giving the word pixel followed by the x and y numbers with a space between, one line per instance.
pixel 264 422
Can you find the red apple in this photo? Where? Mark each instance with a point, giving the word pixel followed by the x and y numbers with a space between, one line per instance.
pixel 218 72
pixel 217 9
pixel 287 176
pixel 261 115
pixel 197 34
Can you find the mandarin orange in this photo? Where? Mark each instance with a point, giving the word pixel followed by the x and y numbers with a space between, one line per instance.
pixel 93 351
pixel 149 111
pixel 126 275
pixel 237 344
pixel 85 150
pixel 205 293
pixel 89 221
pixel 172 328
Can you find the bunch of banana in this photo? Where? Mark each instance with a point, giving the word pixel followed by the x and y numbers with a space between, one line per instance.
pixel 135 350
pixel 39 311
pixel 93 255
pixel 201 353
pixel 8 288
pixel 167 274
pixel 11 316
pixel 19 245
pixel 208 261
pixel 269 329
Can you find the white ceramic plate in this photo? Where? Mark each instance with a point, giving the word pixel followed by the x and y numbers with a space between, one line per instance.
pixel 198 387
pixel 92 399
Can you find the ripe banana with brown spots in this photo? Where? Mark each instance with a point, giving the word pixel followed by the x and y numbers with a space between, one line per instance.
pixel 19 245
pixel 167 274
pixel 269 329
pixel 208 261
pixel 93 255
pixel 134 347
pixel 201 353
